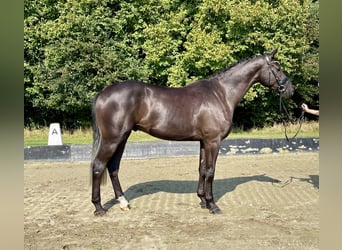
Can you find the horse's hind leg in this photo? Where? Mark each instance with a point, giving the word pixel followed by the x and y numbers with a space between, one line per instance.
pixel 113 170
pixel 98 167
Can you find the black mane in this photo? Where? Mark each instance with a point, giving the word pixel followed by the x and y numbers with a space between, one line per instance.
pixel 233 65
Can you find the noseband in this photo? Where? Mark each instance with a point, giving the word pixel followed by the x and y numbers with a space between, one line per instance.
pixel 281 83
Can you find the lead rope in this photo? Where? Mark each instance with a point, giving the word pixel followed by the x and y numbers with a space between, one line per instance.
pixel 300 119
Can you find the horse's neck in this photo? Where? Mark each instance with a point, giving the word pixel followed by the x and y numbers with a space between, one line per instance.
pixel 237 81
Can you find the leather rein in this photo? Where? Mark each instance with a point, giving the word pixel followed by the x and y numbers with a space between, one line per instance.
pixel 282 108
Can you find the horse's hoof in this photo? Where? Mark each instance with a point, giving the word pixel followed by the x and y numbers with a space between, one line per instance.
pixel 124 205
pixel 203 204
pixel 100 212
pixel 127 208
pixel 215 210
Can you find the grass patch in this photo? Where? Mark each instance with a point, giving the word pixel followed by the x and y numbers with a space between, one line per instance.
pixel 39 137
pixel 308 129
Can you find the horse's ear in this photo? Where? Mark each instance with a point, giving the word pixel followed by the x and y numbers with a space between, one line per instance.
pixel 273 52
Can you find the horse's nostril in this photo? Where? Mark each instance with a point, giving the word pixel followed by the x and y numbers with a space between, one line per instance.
pixel 292 91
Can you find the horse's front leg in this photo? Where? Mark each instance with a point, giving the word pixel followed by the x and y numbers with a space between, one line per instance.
pixel 201 181
pixel 211 153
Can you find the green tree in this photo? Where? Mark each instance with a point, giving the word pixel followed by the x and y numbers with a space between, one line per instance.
pixel 310 65
pixel 86 46
pixel 75 48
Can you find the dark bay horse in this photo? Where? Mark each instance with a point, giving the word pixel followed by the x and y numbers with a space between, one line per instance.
pixel 202 111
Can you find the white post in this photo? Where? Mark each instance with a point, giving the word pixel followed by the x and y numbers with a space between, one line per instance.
pixel 55 135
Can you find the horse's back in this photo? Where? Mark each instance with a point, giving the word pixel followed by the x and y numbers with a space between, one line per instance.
pixel 122 88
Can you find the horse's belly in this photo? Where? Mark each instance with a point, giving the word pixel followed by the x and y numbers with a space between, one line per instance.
pixel 172 134
pixel 171 130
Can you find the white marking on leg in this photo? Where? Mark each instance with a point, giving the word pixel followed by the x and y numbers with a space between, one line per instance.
pixel 124 205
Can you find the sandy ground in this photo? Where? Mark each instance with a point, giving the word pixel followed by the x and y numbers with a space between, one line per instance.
pixel 268 202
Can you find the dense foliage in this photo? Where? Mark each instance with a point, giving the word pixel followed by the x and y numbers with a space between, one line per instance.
pixel 73 48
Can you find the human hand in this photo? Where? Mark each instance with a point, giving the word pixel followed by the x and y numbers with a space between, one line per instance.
pixel 304 107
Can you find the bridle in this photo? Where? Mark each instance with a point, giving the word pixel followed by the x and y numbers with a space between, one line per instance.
pixel 281 82
pixel 282 108
pixel 300 119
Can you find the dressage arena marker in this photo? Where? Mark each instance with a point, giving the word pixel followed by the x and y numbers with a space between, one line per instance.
pixel 55 135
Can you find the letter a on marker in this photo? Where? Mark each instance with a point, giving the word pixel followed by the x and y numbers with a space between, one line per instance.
pixel 55 135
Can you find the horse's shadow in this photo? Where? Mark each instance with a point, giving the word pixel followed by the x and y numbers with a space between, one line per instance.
pixel 220 187
pixel 313 179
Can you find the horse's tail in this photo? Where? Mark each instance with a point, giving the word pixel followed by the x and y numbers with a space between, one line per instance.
pixel 96 143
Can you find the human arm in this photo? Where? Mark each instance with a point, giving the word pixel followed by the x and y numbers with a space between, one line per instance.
pixel 310 111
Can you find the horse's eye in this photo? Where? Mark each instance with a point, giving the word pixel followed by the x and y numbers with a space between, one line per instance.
pixel 276 64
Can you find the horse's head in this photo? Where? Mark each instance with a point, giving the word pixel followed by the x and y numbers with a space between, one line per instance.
pixel 273 77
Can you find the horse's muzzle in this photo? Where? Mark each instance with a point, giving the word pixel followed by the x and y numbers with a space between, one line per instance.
pixel 286 90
